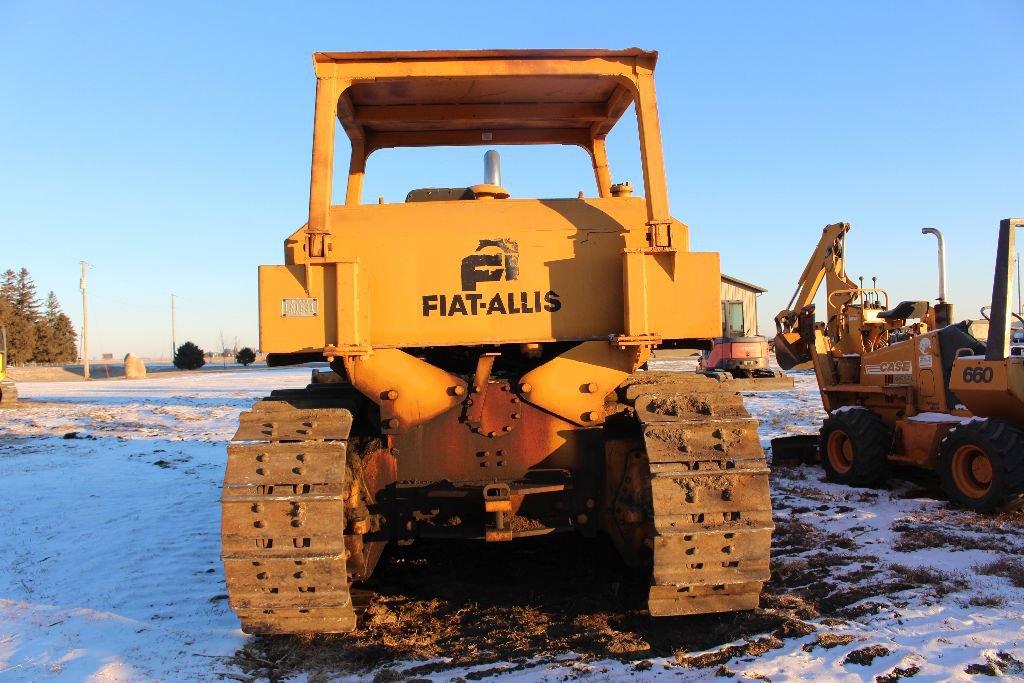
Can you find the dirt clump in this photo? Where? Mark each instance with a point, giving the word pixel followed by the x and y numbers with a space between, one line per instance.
pixel 763 645
pixel 865 655
pixel 1002 664
pixel 829 641
pixel 898 674
pixel 793 628
pixel 808 492
pixel 752 648
pixel 679 406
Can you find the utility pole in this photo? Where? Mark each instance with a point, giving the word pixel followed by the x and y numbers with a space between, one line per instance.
pixel 83 284
pixel 174 339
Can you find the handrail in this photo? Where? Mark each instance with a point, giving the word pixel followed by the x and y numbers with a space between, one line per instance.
pixel 859 293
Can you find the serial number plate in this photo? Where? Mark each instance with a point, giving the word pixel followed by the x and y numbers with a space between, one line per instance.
pixel 299 308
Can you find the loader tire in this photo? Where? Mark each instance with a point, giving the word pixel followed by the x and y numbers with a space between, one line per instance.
pixel 854 447
pixel 981 465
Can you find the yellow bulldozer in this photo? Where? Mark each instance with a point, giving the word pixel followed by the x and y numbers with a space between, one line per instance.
pixel 902 384
pixel 486 351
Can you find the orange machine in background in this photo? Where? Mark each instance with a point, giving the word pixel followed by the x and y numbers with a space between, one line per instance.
pixel 903 386
pixel 741 356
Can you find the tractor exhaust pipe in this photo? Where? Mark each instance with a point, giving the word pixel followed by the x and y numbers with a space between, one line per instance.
pixel 942 260
pixel 943 310
pixel 492 168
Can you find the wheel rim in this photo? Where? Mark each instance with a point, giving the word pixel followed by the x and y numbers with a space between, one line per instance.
pixel 840 451
pixel 972 471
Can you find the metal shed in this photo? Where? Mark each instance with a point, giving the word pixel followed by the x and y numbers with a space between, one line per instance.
pixel 739 307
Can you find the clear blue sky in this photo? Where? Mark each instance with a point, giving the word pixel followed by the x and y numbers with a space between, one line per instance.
pixel 168 144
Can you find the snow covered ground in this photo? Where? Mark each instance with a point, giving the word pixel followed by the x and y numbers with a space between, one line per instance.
pixel 110 568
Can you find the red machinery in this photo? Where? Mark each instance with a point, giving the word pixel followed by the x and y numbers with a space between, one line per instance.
pixel 739 356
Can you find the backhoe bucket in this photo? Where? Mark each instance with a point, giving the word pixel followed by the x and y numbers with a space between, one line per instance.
pixel 791 351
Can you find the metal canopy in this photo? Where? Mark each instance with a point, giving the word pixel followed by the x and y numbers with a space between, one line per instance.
pixel 463 55
pixel 410 99
pixel 484 97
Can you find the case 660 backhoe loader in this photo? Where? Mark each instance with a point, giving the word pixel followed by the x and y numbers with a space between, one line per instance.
pixel 487 350
pixel 903 385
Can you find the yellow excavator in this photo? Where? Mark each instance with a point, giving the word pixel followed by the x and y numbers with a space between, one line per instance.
pixel 8 392
pixel 902 384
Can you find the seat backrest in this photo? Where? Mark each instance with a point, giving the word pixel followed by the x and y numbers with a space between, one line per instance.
pixel 906 310
pixel 952 338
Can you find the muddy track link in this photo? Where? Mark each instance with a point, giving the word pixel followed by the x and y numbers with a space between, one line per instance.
pixel 283 506
pixel 703 482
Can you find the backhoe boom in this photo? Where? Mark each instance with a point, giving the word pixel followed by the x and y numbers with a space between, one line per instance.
pixel 826 263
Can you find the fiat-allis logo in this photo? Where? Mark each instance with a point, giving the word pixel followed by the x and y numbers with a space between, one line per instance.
pixel 495 260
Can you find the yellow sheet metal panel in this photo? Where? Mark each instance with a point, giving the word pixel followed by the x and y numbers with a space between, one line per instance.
pixel 291 318
pixel 485 271
pixel 990 388
pixel 351 303
pixel 671 294
pixel 683 295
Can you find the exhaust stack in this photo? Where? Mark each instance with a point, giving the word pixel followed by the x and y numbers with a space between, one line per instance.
pixel 492 168
pixel 943 310
pixel 942 260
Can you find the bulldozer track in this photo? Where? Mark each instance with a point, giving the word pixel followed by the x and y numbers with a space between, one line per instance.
pixel 284 503
pixel 695 493
pixel 708 515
